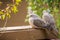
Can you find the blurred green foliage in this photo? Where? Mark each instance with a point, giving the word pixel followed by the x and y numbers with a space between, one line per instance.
pixel 40 5
pixel 10 8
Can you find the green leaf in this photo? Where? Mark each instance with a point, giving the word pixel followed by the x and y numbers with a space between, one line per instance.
pixel 30 3
pixel 1 13
pixel 3 17
pixel 18 1
pixel 8 15
pixel 14 9
pixel 56 10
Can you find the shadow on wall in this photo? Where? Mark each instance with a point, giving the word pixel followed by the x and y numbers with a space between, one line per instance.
pixel 17 19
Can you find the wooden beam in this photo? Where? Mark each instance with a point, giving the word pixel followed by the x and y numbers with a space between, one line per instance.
pixel 13 29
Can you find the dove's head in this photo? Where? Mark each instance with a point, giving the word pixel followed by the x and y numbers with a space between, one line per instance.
pixel 32 15
pixel 46 11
